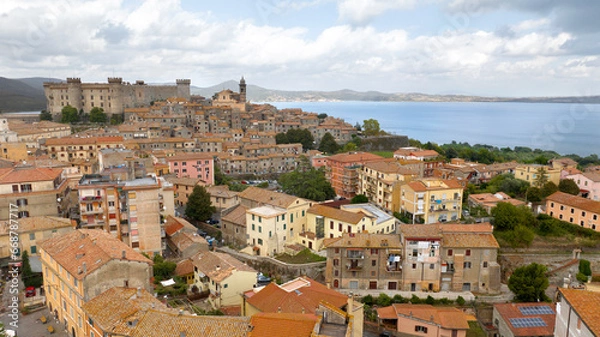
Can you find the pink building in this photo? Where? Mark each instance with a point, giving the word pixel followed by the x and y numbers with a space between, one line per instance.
pixel 588 183
pixel 193 165
pixel 424 320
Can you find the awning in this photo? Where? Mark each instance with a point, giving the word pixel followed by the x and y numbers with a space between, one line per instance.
pixel 167 283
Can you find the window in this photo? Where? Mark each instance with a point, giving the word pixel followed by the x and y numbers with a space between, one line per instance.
pixel 572 210
pixel 26 188
pixel 340 227
pixel 260 242
pixel 582 213
pixel 485 264
pixel 337 250
pixel 420 328
pixel 374 251
pixel 33 249
pixel 330 224
pixel 23 214
pixel 292 217
pixel 468 252
pixel 450 252
pixel 373 263
pixel 431 266
pixel 467 265
pixel 31 236
pixel 414 266
pixel 131 195
pixel 270 234
pixel 260 229
pixel 284 227
pixel 336 262
pixel 22 202
pixel 253 227
pixel 562 208
pixel 415 253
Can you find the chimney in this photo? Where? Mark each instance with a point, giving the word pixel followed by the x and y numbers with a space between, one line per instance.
pixel 218 267
pixel 279 309
pixel 123 254
pixel 350 303
pixel 303 310
pixel 84 268
pixel 180 312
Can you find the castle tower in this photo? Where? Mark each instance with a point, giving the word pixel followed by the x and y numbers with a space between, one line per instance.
pixel 242 90
pixel 183 88
pixel 116 103
pixel 75 92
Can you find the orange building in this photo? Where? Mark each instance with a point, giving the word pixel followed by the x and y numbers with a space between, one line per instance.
pixel 576 210
pixel 342 171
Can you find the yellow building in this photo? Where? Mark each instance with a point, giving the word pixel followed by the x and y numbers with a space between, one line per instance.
pixel 14 151
pixel 82 264
pixel 31 231
pixel 224 276
pixel 432 200
pixel 328 222
pixel 529 173
pixel 378 179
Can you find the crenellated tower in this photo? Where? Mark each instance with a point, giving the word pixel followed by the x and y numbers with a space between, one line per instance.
pixel 242 90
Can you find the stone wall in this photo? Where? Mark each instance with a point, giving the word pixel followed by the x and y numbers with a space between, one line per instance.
pixel 384 143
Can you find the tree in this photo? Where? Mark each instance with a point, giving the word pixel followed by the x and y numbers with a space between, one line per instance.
pixel 350 146
pixel 163 270
pixel 533 194
pixel 568 186
pixel 116 119
pixel 529 283
pixel 69 115
pixel 97 115
pixel 46 116
pixel 328 144
pixel 548 189
pixel 508 216
pixel 358 127
pixel 371 127
pixel 309 184
pixel 541 177
pixel 281 138
pixel 199 206
pixel 322 116
pixel 292 136
pixel 359 199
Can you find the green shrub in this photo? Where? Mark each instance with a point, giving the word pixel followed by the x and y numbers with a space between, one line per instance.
pixel 399 299
pixel 596 278
pixel 581 277
pixel 460 301
pixel 384 300
pixel 367 300
pixel 415 299
pixel 585 267
pixel 429 300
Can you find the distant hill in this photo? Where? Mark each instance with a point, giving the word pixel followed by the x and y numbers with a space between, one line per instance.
pixel 260 94
pixel 21 95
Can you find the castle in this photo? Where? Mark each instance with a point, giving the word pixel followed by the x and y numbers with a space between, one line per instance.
pixel 113 96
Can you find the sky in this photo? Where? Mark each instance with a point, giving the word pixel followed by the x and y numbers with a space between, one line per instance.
pixel 510 48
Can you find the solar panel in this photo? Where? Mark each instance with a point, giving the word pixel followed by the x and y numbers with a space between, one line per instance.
pixel 527 322
pixel 537 310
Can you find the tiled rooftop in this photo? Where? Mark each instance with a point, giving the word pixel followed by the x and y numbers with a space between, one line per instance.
pixel 586 304
pixel 575 201
pixel 513 310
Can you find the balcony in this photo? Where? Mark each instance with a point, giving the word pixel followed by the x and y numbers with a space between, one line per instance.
pixel 85 211
pixel 353 254
pixel 354 266
pixel 89 199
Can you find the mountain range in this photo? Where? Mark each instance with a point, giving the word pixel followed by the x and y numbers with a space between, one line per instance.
pixel 27 94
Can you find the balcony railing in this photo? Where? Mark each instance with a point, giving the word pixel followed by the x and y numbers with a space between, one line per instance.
pixel 356 255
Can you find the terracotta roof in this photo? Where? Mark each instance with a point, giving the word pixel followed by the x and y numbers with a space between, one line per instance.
pixel 28 174
pixel 273 324
pixel 511 310
pixel 184 267
pixel 481 228
pixel 161 324
pixel 185 181
pixel 575 201
pixel 268 197
pixel 112 309
pixel 221 191
pixel 219 266
pixel 470 240
pixel 390 167
pixel 175 224
pixel 236 215
pixel 420 231
pixel 365 240
pixel 595 177
pixel 38 223
pixel 420 185
pixel 84 140
pixel 585 304
pixel 93 247
pixel 354 157
pixel 448 318
pixel 337 214
pixel 295 296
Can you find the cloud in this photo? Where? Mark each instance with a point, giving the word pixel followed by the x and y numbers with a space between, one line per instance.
pixel 359 12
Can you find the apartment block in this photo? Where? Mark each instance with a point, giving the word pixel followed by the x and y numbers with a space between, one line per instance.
pixel 576 210
pixel 342 171
pixel 588 183
pixel 133 211
pixel 432 200
pixel 379 179
pixel 364 261
pixel 193 165
pixel 32 231
pixel 84 148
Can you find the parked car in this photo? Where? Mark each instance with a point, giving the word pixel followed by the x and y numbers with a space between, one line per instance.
pixel 29 291
pixel 262 279
pixel 202 233
pixel 212 221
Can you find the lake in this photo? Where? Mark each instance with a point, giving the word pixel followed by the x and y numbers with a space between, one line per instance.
pixel 564 128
